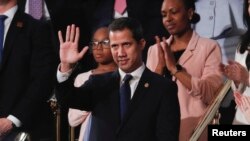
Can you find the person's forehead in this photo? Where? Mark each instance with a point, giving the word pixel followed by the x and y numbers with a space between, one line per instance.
pixel 125 32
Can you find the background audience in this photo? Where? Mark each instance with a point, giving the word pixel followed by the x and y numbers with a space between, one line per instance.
pixel 222 20
pixel 27 75
pixel 238 71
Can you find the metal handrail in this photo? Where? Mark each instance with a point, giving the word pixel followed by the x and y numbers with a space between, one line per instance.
pixel 211 111
pixel 23 136
pixel 57 112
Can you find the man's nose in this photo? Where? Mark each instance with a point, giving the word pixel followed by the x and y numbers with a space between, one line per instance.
pixel 121 51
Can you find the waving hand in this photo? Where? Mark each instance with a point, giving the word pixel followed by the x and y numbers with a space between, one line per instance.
pixel 69 54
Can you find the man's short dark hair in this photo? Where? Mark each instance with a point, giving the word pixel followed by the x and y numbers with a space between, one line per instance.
pixel 125 22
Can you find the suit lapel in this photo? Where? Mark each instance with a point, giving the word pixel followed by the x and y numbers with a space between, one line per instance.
pixel 15 27
pixel 190 48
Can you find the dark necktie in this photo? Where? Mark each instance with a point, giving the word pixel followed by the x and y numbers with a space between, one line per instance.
pixel 2 18
pixel 125 94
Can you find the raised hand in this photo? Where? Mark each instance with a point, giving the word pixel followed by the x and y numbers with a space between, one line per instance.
pixel 168 54
pixel 161 63
pixel 69 54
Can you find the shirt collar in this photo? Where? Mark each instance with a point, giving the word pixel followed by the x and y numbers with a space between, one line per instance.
pixel 10 13
pixel 136 73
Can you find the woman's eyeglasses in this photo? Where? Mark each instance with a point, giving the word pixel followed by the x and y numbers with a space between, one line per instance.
pixel 95 44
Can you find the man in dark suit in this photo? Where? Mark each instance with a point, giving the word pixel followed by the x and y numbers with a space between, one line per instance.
pixel 59 14
pixel 26 76
pixel 152 113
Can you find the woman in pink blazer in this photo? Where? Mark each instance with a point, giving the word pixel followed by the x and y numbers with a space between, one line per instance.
pixel 190 60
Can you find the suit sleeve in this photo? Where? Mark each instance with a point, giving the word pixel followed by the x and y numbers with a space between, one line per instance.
pixel 168 123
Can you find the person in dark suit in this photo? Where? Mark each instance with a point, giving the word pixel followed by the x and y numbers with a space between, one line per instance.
pixel 58 14
pixel 147 12
pixel 26 76
pixel 153 112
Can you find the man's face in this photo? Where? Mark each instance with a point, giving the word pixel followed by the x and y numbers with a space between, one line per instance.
pixel 3 2
pixel 126 51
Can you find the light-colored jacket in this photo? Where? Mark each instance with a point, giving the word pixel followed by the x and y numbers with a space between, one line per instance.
pixel 221 20
pixel 201 60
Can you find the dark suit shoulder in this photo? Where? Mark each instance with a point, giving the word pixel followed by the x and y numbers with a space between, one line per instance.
pixel 24 20
pixel 160 80
pixel 102 80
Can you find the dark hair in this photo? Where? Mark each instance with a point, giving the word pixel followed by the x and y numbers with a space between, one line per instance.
pixel 245 42
pixel 103 25
pixel 128 23
pixel 191 4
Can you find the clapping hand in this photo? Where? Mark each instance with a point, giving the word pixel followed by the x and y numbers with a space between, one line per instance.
pixel 161 59
pixel 243 102
pixel 168 54
pixel 235 71
pixel 69 54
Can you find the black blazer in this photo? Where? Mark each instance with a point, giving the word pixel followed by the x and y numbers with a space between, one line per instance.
pixel 27 74
pixel 153 114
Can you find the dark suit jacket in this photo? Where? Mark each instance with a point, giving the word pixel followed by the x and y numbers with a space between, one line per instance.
pixel 153 114
pixel 147 12
pixel 27 73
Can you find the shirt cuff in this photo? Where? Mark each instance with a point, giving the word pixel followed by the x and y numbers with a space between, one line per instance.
pixel 62 76
pixel 15 121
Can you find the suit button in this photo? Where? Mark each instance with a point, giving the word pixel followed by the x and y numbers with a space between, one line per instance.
pixel 212 2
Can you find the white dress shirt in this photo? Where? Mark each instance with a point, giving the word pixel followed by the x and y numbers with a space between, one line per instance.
pixel 10 14
pixel 118 15
pixel 61 77
pixel 135 80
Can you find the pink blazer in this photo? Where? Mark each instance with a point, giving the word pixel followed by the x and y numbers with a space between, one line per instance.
pixel 201 60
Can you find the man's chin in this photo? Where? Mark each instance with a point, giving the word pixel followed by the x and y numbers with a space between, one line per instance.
pixel 124 68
